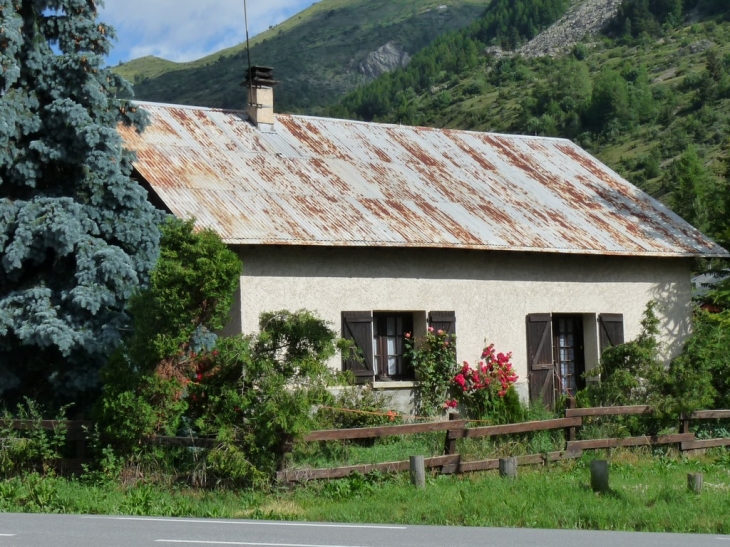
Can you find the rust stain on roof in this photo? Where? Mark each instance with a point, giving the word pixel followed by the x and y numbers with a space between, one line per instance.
pixel 316 181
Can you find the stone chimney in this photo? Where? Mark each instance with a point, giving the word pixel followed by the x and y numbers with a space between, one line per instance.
pixel 260 82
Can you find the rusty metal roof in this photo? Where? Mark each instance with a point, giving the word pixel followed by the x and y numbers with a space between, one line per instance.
pixel 317 181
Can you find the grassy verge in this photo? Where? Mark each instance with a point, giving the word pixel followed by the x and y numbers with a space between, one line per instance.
pixel 649 493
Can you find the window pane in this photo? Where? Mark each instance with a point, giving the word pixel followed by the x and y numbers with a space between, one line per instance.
pixel 391 345
pixel 399 326
pixel 392 365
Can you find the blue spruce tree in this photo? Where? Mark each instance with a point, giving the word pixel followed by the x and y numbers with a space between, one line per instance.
pixel 77 234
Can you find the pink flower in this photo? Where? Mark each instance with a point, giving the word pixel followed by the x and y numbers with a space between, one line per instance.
pixel 440 332
pixel 430 329
pixel 407 335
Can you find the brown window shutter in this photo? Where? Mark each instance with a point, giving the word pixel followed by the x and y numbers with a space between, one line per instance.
pixel 443 320
pixel 540 359
pixel 358 327
pixel 610 330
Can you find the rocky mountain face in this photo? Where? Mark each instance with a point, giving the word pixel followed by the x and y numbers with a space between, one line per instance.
pixel 585 18
pixel 384 59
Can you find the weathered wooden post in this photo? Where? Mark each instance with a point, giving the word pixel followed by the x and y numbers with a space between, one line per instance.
pixel 418 472
pixel 450 444
pixel 508 467
pixel 570 431
pixel 599 475
pixel 684 423
pixel 694 482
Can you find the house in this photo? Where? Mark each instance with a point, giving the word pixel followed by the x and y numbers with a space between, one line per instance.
pixel 529 243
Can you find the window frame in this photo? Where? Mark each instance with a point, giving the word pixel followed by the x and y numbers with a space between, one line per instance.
pixel 404 369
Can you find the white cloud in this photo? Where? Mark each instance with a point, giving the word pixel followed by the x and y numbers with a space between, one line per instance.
pixel 184 30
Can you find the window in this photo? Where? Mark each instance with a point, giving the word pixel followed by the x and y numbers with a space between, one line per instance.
pixel 389 331
pixel 556 351
pixel 379 340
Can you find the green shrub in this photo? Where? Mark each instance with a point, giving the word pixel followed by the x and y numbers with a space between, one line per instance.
pixel 633 374
pixel 33 449
pixel 434 360
pixel 256 393
pixel 629 371
pixel 190 294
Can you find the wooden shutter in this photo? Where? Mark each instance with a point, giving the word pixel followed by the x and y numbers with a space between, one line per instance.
pixel 358 327
pixel 540 359
pixel 610 330
pixel 443 320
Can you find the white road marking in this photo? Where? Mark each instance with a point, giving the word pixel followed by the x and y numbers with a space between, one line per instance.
pixel 255 523
pixel 7 535
pixel 258 544
pixel 724 539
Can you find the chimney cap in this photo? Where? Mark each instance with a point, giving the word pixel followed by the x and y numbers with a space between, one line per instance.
pixel 260 76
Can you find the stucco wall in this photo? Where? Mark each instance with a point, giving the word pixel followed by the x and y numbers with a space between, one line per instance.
pixel 491 292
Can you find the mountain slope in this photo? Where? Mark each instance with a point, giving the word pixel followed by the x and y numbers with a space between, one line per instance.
pixel 316 54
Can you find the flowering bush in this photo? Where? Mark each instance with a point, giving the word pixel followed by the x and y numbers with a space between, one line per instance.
pixel 486 389
pixel 434 360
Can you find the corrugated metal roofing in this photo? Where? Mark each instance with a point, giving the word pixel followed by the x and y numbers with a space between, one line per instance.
pixel 317 181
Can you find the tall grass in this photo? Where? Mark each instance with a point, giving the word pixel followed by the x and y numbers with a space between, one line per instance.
pixel 648 493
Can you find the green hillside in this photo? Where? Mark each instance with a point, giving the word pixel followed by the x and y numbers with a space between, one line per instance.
pixel 650 97
pixel 316 54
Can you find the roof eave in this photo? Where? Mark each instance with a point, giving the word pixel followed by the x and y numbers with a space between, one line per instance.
pixel 425 245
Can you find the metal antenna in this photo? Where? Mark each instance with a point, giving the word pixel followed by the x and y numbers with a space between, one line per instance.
pixel 248 51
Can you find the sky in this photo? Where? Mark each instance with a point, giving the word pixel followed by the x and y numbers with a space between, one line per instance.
pixel 185 30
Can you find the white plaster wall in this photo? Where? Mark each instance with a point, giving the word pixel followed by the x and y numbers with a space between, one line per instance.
pixel 491 292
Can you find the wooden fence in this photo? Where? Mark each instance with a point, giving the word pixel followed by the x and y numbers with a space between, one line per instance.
pixel 455 429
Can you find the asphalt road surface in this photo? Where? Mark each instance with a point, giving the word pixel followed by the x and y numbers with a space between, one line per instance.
pixel 18 530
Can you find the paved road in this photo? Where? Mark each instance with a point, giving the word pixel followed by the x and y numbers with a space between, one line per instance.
pixel 96 531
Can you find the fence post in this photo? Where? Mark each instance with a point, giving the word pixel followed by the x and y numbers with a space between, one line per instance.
pixel 418 472
pixel 570 431
pixel 684 423
pixel 599 475
pixel 694 482
pixel 450 444
pixel 508 467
